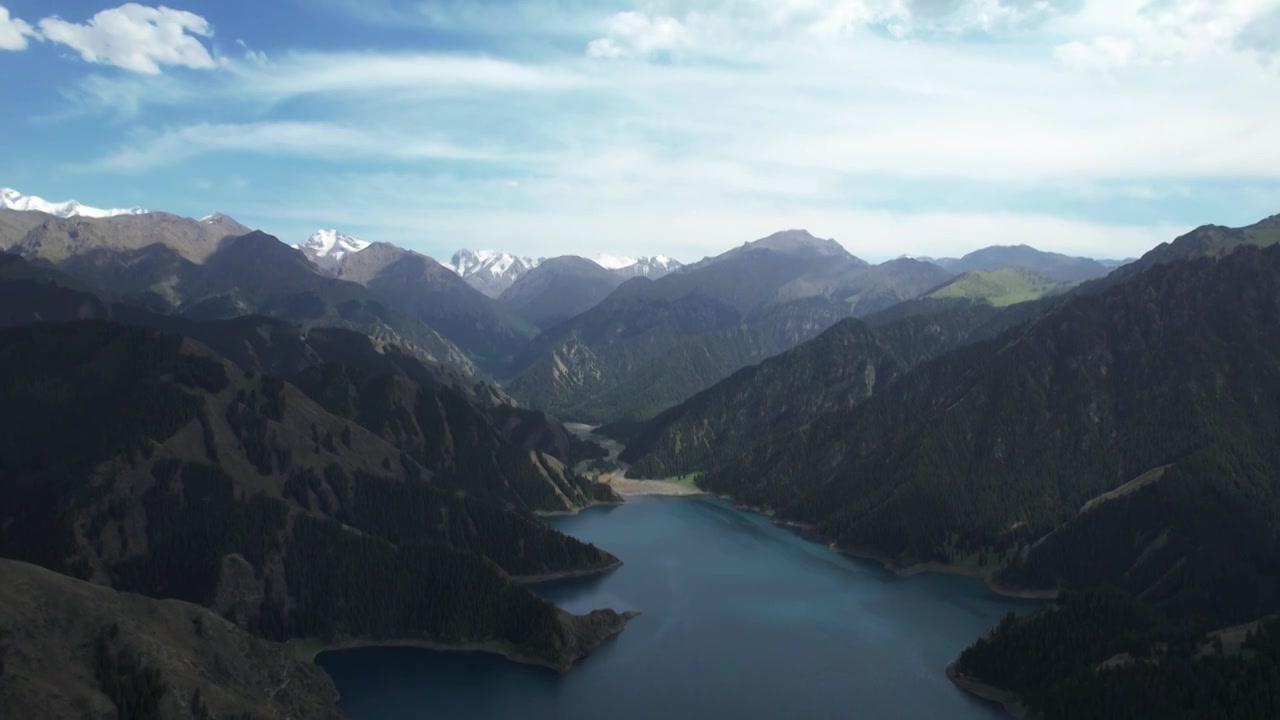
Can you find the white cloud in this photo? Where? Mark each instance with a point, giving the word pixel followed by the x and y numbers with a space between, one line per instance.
pixel 437 214
pixel 747 116
pixel 727 26
pixel 1262 33
pixel 136 37
pixel 633 33
pixel 257 57
pixel 301 74
pixel 1125 33
pixel 1100 53
pixel 314 140
pixel 14 32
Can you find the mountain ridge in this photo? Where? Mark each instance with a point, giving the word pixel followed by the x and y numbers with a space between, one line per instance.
pixel 13 200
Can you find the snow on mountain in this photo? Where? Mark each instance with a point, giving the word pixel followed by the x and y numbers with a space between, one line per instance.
pixel 327 247
pixel 492 272
pixel 650 267
pixel 489 271
pixel 13 200
pixel 615 262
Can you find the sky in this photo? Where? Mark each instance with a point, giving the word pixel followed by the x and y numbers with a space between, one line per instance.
pixel 643 127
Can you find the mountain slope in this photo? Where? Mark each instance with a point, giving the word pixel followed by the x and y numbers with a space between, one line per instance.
pixel 797 243
pixel 73 649
pixel 839 369
pixel 55 239
pixel 443 419
pixel 240 493
pixel 993 448
pixel 1001 288
pixel 425 289
pixel 699 325
pixel 1204 241
pixel 29 293
pixel 558 289
pixel 699 362
pixel 174 265
pixel 1055 266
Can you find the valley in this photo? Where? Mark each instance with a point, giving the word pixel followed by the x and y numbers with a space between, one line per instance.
pixel 353 454
pixel 814 359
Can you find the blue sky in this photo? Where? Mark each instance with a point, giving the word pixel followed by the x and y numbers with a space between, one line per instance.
pixel 683 127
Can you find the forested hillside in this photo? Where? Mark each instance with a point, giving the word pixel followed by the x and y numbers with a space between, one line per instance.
pixel 1106 656
pixel 192 480
pixel 71 649
pixel 841 368
pixel 652 344
pixel 996 444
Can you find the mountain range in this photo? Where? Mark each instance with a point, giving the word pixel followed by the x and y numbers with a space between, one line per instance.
pixel 11 199
pixel 493 273
pixel 695 327
pixel 1055 266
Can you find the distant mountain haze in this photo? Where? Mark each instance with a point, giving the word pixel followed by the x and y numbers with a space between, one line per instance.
pixel 558 289
pixel 493 272
pixel 788 242
pixel 212 269
pixel 581 368
pixel 489 271
pixel 542 323
pixel 1055 266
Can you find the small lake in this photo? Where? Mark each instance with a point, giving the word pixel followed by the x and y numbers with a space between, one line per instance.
pixel 741 619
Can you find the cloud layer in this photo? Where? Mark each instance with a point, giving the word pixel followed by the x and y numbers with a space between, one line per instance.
pixel 683 127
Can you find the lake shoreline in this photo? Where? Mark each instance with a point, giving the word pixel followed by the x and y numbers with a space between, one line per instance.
pixel 575 511
pixel 490 648
pixel 566 575
pixel 1007 699
pixel 654 670
pixel 988 578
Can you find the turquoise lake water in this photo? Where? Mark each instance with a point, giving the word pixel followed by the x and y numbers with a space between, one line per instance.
pixel 741 619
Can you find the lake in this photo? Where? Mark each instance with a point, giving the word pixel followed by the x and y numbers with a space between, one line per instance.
pixel 741 618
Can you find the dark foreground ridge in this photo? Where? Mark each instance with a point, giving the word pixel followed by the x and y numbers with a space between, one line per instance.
pixel 74 649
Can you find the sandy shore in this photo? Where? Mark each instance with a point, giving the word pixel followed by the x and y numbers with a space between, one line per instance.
pixel 627 487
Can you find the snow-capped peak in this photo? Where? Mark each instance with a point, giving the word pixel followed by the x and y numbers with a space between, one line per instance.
pixel 491 262
pixel 489 271
pixel 651 267
pixel 615 262
pixel 333 244
pixel 330 246
pixel 13 200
